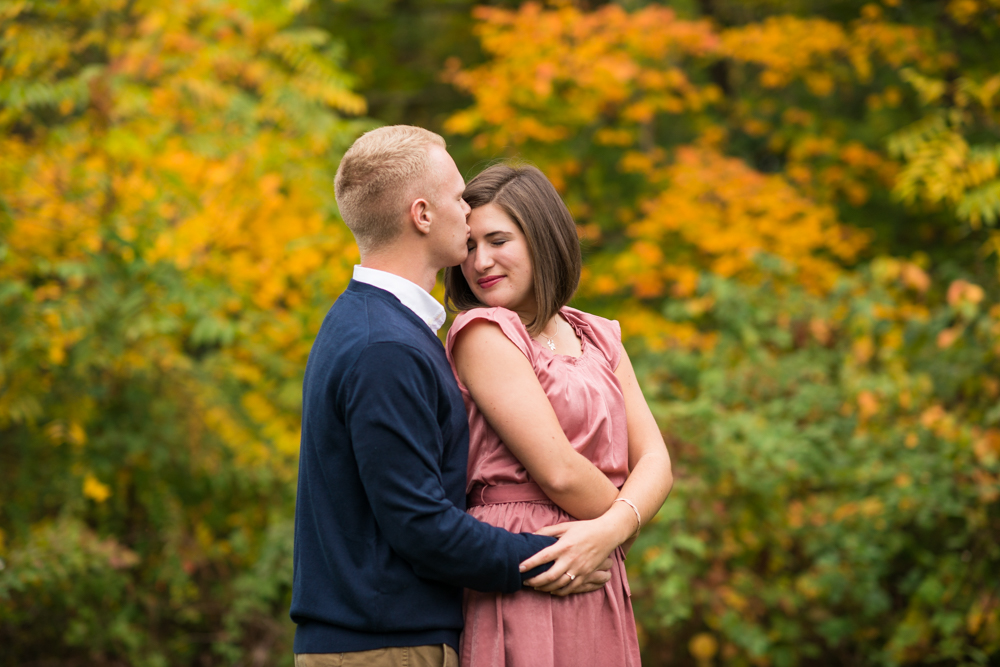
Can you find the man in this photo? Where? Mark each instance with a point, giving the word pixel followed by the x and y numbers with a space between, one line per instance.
pixel 383 546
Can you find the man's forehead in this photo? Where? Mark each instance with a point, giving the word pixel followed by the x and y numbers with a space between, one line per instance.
pixel 445 168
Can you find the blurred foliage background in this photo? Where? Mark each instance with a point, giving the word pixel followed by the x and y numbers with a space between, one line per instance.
pixel 792 206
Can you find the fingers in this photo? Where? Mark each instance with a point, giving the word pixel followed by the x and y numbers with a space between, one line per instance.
pixel 546 555
pixel 556 576
pixel 556 530
pixel 565 559
pixel 592 582
pixel 550 579
pixel 598 578
pixel 573 553
pixel 586 588
pixel 564 583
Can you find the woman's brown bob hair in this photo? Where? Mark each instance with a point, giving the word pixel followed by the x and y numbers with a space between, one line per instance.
pixel 526 195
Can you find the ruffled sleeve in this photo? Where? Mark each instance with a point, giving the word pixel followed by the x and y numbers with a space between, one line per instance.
pixel 508 321
pixel 604 334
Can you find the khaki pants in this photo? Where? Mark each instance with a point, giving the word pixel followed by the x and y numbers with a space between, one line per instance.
pixel 440 655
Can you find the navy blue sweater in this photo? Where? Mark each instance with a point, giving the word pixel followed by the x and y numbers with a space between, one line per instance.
pixel 383 545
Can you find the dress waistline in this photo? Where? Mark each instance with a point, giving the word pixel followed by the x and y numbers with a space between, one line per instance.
pixel 529 492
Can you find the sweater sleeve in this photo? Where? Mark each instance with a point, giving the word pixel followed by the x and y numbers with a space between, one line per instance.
pixel 392 415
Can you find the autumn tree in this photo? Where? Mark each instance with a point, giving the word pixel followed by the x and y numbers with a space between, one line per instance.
pixel 168 244
pixel 789 205
pixel 785 211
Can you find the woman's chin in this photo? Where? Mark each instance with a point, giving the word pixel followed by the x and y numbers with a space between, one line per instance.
pixel 491 301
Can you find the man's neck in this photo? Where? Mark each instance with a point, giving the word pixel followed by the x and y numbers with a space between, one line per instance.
pixel 404 267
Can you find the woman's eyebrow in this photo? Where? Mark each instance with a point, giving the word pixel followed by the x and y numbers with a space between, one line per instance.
pixel 491 234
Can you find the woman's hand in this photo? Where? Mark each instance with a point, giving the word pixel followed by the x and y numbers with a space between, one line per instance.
pixel 594 581
pixel 582 547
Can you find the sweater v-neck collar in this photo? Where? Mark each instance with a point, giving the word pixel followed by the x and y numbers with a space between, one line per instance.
pixel 389 297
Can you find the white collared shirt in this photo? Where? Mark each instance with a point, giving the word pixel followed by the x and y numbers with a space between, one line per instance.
pixel 409 294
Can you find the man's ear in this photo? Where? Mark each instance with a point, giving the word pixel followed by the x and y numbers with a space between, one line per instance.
pixel 419 215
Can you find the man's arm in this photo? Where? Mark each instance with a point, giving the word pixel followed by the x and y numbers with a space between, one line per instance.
pixel 391 404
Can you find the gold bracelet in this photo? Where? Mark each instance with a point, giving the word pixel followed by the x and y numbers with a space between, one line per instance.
pixel 635 509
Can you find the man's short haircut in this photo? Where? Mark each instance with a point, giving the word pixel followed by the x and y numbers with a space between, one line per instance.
pixel 375 178
pixel 526 195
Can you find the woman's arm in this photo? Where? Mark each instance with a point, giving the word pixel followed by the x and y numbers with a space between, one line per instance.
pixel 583 544
pixel 506 390
pixel 652 477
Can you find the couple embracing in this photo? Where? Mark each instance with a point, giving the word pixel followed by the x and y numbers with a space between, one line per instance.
pixel 517 462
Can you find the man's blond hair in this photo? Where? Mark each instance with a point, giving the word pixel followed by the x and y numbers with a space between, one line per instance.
pixel 377 173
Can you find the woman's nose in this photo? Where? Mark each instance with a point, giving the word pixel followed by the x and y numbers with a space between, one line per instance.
pixel 483 260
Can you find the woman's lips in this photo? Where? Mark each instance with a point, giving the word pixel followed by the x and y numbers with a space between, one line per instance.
pixel 489 281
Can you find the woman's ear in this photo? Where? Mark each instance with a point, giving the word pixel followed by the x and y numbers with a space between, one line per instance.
pixel 419 215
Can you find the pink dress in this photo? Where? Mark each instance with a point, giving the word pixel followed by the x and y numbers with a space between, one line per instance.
pixel 528 628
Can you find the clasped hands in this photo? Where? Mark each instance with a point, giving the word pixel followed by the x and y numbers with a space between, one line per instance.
pixel 583 551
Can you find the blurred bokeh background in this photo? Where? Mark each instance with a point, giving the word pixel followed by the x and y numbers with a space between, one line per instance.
pixel 791 206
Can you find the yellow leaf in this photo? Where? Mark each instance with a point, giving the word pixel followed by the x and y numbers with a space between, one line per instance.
pixel 76 435
pixel 94 489
pixel 867 405
pixel 915 277
pixel 703 647
pixel 961 291
pixel 948 337
pixel 987 446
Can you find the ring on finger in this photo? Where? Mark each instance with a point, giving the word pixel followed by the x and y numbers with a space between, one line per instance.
pixel 571 576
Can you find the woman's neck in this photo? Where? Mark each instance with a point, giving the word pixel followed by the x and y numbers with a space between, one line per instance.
pixel 527 311
pixel 527 317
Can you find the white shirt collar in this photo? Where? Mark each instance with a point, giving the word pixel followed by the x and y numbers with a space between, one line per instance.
pixel 409 294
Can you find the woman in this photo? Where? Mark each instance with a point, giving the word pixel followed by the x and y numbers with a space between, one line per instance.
pixel 557 424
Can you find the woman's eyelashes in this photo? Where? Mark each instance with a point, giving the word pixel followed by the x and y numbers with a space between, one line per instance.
pixel 495 243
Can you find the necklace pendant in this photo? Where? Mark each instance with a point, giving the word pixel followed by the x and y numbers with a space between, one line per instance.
pixel 551 343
